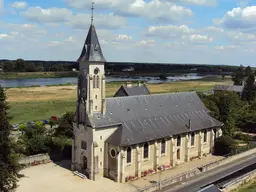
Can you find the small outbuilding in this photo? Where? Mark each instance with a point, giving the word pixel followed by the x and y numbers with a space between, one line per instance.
pixel 132 90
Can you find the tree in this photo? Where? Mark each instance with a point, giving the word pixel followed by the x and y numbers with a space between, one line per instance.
pixel 223 145
pixel 238 76
pixel 9 166
pixel 249 91
pixel 20 65
pixel 248 71
pixel 65 127
pixel 35 139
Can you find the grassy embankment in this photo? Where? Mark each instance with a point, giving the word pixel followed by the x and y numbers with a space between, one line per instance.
pixel 248 187
pixel 37 103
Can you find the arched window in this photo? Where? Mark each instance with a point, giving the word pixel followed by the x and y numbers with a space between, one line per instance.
pixel 163 146
pixel 205 135
pixel 192 139
pixel 178 140
pixel 129 155
pixel 145 152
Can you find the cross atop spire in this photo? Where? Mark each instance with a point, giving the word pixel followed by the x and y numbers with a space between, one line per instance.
pixel 92 12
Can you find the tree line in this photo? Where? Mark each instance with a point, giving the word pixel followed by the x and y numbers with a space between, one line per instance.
pixel 21 65
pixel 237 112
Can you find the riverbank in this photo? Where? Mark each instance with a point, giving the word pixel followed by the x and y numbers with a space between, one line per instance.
pixel 35 75
pixel 37 103
pixel 59 74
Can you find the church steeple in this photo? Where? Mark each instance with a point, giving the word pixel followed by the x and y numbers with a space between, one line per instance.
pixel 91 49
pixel 91 81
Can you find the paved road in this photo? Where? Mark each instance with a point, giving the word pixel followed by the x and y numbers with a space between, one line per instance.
pixel 194 184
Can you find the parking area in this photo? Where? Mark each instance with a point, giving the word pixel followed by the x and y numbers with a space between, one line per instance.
pixel 53 177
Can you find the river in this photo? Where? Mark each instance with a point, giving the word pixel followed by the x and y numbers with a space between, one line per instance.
pixel 73 80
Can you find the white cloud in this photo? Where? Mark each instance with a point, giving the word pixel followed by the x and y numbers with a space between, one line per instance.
pixel 107 21
pixel 3 36
pixel 156 10
pixel 160 10
pixel 167 31
pixel 51 15
pixel 100 4
pixel 239 18
pixel 226 47
pixel 197 38
pixel 145 43
pixel 19 5
pixel 199 2
pixel 123 37
pixel 243 3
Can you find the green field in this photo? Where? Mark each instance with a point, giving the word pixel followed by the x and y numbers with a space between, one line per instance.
pixel 248 187
pixel 38 103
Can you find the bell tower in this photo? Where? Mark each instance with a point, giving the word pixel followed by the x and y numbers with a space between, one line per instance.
pixel 91 80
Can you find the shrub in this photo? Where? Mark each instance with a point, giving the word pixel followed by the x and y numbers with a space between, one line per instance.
pixel 244 137
pixel 224 145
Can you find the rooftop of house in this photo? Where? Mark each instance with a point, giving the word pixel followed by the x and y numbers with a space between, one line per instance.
pixel 144 118
pixel 236 88
pixel 132 90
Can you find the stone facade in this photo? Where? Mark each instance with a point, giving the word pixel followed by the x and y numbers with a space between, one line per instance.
pixel 113 161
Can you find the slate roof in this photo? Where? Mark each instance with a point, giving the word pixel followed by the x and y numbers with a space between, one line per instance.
pixel 150 117
pixel 91 49
pixel 134 90
pixel 210 188
pixel 236 88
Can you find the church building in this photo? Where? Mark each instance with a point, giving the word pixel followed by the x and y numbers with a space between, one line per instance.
pixel 126 137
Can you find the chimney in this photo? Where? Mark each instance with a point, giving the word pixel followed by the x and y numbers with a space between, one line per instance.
pixel 189 124
pixel 128 84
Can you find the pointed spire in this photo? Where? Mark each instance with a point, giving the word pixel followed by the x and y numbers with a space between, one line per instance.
pixel 92 50
pixel 92 12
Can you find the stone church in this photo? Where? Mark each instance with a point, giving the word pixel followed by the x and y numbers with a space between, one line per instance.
pixel 126 137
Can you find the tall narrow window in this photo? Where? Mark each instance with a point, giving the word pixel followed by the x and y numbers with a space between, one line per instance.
pixel 215 134
pixel 178 140
pixel 178 154
pixel 145 152
pixel 84 145
pixel 205 135
pixel 97 81
pixel 192 139
pixel 94 81
pixel 129 155
pixel 163 146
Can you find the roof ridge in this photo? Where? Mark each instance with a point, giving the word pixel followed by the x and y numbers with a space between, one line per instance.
pixel 152 95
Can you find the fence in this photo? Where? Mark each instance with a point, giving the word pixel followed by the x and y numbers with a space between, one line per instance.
pixel 169 181
pixel 193 172
pixel 225 160
pixel 34 159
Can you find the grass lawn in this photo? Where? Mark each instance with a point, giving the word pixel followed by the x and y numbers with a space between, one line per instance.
pixel 37 103
pixel 248 187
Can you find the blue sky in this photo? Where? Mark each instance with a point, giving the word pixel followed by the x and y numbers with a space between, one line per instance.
pixel 168 31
